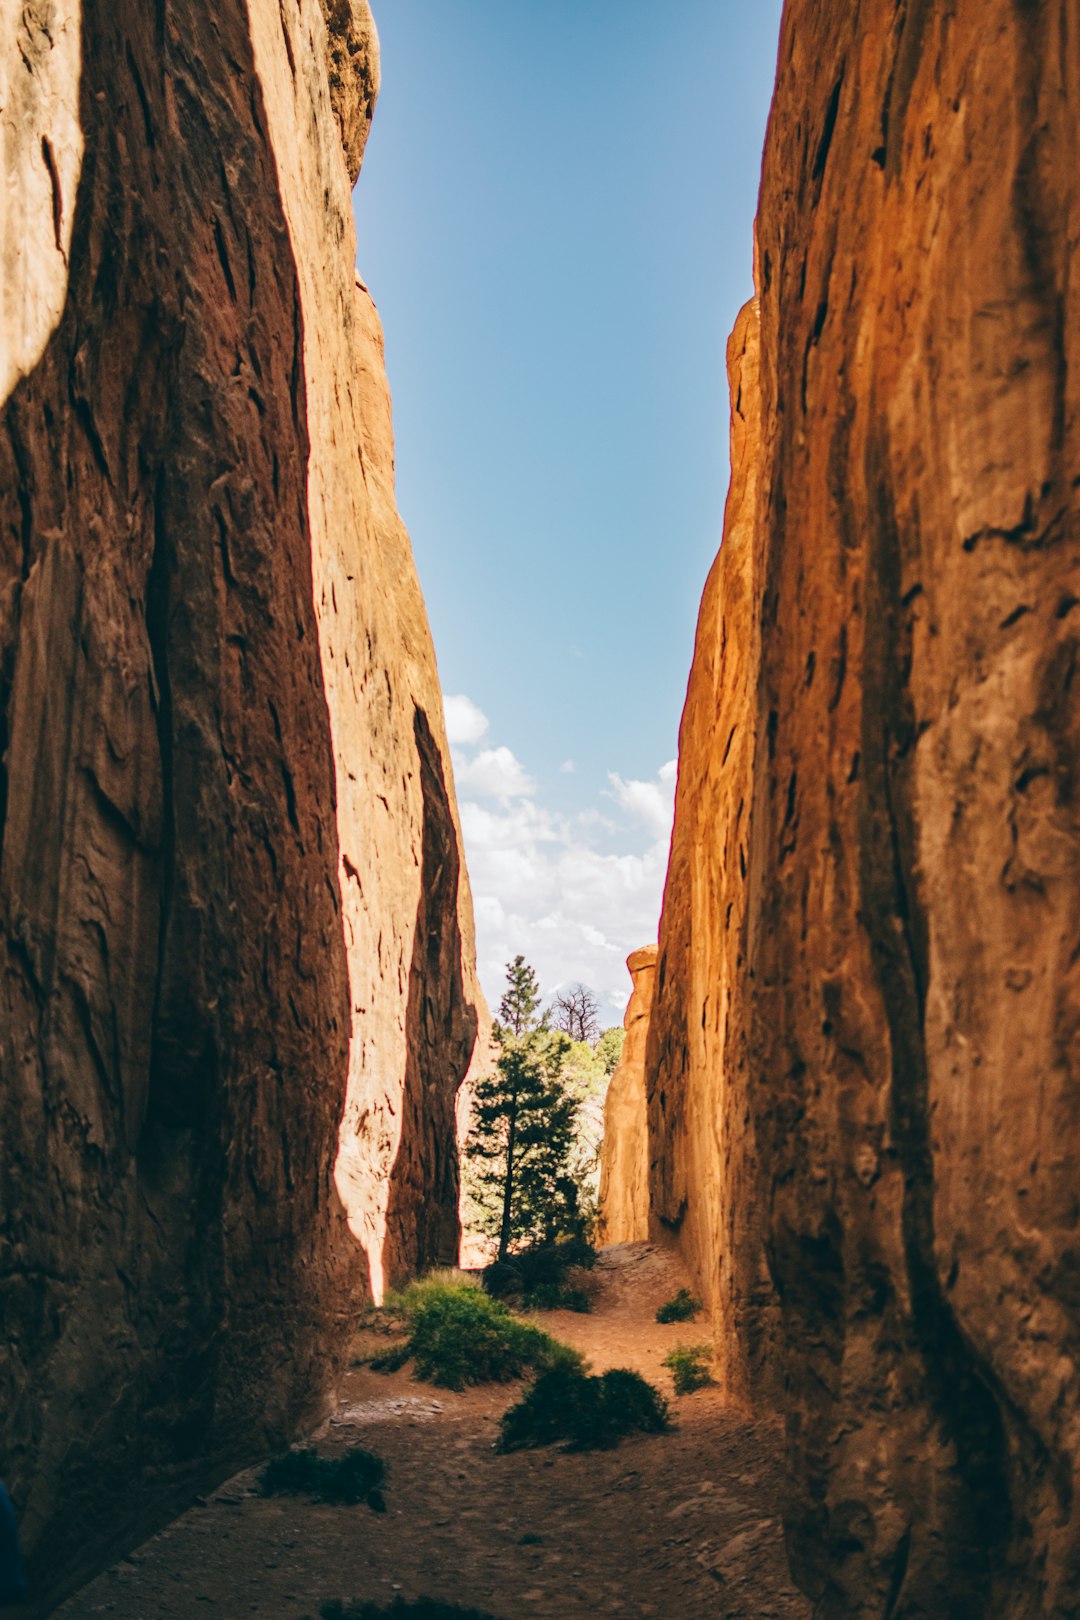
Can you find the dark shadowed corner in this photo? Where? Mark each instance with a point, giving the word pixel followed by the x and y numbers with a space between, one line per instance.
pixel 422 1225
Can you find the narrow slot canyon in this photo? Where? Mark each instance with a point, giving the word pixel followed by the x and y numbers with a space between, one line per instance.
pixel 812 1344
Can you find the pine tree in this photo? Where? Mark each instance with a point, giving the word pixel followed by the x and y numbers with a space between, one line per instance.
pixel 522 1142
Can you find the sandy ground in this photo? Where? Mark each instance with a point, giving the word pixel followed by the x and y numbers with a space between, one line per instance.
pixel 677 1526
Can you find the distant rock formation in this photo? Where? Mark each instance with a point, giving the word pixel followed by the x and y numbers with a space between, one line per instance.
pixel 863 1054
pixel 624 1158
pixel 234 920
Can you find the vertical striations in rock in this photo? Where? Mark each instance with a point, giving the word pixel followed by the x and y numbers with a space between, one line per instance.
pixel 915 939
pixel 624 1159
pixel 703 1160
pixel 864 1050
pixel 414 1016
pixel 229 851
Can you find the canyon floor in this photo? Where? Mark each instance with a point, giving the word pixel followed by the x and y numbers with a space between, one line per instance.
pixel 684 1524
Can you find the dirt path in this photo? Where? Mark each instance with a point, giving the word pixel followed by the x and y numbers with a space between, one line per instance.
pixel 678 1526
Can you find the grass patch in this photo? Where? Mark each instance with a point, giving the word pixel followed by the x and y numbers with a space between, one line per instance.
pixel 683 1307
pixel 355 1476
pixel 689 1365
pixel 457 1335
pixel 423 1609
pixel 585 1413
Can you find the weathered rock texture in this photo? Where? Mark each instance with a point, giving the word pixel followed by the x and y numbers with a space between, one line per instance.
pixel 905 1065
pixel 916 928
pixel 233 918
pixel 624 1158
pixel 703 1169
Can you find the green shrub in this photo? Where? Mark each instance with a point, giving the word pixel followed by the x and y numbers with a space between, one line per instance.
pixel 586 1413
pixel 355 1476
pixel 457 1335
pixel 556 1297
pixel 423 1609
pixel 689 1364
pixel 542 1266
pixel 682 1308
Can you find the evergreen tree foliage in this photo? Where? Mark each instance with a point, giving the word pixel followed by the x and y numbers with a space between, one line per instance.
pixel 522 1144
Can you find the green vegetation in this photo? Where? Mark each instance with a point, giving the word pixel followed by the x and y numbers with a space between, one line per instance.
pixel 608 1049
pixel 353 1477
pixel 532 1158
pixel 458 1335
pixel 557 1297
pixel 689 1365
pixel 682 1308
pixel 546 1277
pixel 522 1140
pixel 585 1413
pixel 423 1609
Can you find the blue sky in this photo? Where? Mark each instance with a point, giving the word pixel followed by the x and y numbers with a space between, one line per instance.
pixel 555 220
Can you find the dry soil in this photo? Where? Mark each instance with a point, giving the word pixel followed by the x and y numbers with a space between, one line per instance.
pixel 678 1525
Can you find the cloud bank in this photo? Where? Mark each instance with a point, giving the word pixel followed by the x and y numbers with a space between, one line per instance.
pixel 574 893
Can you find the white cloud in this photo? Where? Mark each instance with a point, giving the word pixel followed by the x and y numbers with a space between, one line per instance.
pixel 465 723
pixel 553 887
pixel 652 802
pixel 495 774
pixel 568 768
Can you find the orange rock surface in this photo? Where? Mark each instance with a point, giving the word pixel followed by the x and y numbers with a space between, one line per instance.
pixel 624 1157
pixel 235 930
pixel 916 921
pixel 703 1170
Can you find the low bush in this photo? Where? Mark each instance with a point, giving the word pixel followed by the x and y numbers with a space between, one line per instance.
pixel 457 1335
pixel 423 1609
pixel 543 1266
pixel 355 1476
pixel 556 1297
pixel 683 1307
pixel 689 1365
pixel 586 1413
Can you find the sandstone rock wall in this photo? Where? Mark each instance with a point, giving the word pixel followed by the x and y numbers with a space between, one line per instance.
pixel 233 918
pixel 915 933
pixel 885 1046
pixel 703 1169
pixel 416 1005
pixel 624 1157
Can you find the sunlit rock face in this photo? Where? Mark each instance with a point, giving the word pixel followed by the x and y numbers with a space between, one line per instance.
pixel 703 1170
pixel 624 1158
pixel 234 923
pixel 416 1007
pixel 862 1057
pixel 915 876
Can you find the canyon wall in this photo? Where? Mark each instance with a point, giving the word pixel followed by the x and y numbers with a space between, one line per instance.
pixel 235 931
pixel 703 1170
pixel 868 991
pixel 915 937
pixel 624 1153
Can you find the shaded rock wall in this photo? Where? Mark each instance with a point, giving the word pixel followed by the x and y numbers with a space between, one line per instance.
pixel 624 1154
pixel 230 879
pixel 703 1170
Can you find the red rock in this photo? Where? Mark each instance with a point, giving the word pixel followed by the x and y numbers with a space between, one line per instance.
pixel 704 1174
pixel 233 915
pixel 624 1160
